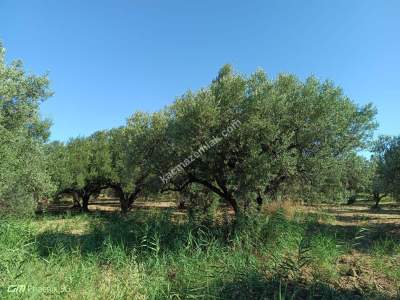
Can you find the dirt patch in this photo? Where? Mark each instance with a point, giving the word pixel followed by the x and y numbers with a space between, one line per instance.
pixel 356 268
pixel 358 274
pixel 359 215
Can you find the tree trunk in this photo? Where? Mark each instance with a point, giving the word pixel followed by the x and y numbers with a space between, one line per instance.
pixel 75 197
pixel 39 204
pixel 377 199
pixel 273 187
pixel 233 203
pixel 125 199
pixel 352 199
pixel 181 204
pixel 85 202
pixel 124 202
pixel 222 191
pixel 259 201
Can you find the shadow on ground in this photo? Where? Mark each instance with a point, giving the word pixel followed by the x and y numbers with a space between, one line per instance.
pixel 139 232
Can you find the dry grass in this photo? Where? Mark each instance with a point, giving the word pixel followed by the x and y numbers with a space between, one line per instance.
pixel 289 207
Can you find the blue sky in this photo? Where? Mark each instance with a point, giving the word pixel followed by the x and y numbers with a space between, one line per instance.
pixel 107 59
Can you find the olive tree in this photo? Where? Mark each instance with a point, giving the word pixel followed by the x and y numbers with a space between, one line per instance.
pixel 90 161
pixel 386 179
pixel 82 167
pixel 244 137
pixel 58 167
pixel 355 174
pixel 120 159
pixel 22 133
pixel 134 149
pixel 307 129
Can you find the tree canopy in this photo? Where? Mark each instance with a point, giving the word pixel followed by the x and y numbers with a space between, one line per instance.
pixel 245 139
pixel 22 132
pixel 280 131
pixel 386 180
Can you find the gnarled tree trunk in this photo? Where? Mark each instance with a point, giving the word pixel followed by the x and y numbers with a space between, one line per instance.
pixel 259 201
pixel 75 197
pixel 125 199
pixel 85 202
pixel 377 199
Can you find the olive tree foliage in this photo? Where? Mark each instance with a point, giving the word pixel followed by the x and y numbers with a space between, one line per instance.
pixel 81 167
pixel 22 134
pixel 357 176
pixel 386 177
pixel 285 130
pixel 58 167
pixel 195 138
pixel 242 138
pixel 91 162
pixel 340 179
pixel 134 151
pixel 308 130
pixel 121 159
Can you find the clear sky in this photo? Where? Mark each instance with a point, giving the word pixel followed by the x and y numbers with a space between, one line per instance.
pixel 107 59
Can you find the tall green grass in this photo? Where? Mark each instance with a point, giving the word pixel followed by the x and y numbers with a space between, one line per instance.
pixel 148 256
